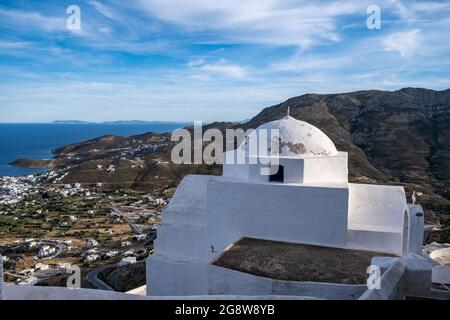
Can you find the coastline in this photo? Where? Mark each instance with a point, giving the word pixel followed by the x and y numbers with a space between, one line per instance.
pixel 25 147
pixel 32 163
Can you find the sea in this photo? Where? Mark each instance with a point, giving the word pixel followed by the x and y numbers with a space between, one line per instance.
pixel 36 141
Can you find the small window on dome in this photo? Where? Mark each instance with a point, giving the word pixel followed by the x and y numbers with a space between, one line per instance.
pixel 278 176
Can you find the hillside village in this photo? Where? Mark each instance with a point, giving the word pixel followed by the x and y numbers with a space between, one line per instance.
pixel 46 228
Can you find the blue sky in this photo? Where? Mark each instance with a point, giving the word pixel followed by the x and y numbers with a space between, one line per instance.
pixel 209 60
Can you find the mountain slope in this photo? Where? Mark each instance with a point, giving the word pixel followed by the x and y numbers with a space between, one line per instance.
pixel 392 137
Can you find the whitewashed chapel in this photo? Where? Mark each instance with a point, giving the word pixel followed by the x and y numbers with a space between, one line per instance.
pixel 302 231
pixel 218 232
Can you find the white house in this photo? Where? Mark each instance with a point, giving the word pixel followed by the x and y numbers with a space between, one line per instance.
pixel 126 261
pixel 140 237
pixel 92 257
pixel 111 254
pixel 92 243
pixel 46 251
pixel 42 266
pixel 307 201
pixel 125 243
pixel 64 265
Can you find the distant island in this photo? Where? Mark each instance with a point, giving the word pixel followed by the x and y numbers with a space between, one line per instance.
pixel 121 122
pixel 71 122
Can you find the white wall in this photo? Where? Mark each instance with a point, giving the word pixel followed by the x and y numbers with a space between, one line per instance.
pixel 190 194
pixel 182 232
pixel 387 242
pixel 181 248
pixel 174 277
pixel 20 292
pixel 187 241
pixel 184 242
pixel 16 292
pixel 309 170
pixel 326 169
pixel 293 170
pixel 300 214
pixel 376 216
pixel 232 169
pixel 223 281
pixel 380 207
pixel 209 213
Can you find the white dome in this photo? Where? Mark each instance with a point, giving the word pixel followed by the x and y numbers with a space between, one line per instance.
pixel 297 139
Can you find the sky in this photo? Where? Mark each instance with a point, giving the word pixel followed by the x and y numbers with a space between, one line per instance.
pixel 178 60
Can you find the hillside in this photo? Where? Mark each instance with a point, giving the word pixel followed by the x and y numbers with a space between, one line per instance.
pixel 400 137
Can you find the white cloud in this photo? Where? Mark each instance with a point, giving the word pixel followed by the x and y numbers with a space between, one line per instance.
pixel 406 43
pixel 222 67
pixel 278 22
pixel 142 47
pixel 405 12
pixel 5 44
pixel 191 100
pixel 33 20
pixel 431 6
pixel 195 63
pixel 106 11
pixel 299 63
pixel 80 79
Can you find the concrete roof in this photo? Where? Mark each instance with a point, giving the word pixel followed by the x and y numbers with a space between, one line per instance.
pixel 297 262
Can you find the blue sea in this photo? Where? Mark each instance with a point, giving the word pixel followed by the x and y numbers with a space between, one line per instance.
pixel 36 141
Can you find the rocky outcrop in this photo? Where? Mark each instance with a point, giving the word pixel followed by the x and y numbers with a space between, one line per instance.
pixel 32 163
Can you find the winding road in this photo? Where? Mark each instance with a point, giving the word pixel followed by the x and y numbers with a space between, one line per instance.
pixel 61 248
pixel 133 226
pixel 93 279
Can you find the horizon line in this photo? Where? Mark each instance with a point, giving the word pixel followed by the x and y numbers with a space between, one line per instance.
pixel 94 122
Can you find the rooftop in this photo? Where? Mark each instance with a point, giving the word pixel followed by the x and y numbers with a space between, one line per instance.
pixel 296 139
pixel 298 262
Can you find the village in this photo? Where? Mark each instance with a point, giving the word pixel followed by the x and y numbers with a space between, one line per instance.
pixel 48 229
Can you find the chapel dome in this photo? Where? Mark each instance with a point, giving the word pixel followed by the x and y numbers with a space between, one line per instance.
pixel 297 139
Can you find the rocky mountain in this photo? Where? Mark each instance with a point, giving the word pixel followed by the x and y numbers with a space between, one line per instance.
pixel 400 137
